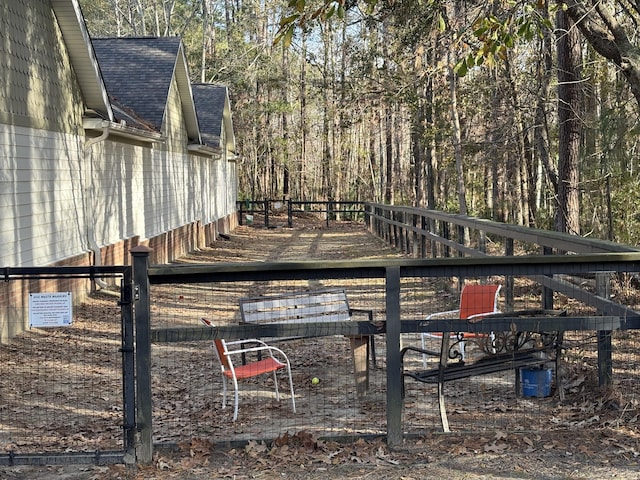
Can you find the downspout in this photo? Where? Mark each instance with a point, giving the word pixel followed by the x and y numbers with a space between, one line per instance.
pixel 93 244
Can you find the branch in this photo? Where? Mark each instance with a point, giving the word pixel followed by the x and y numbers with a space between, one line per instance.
pixel 607 37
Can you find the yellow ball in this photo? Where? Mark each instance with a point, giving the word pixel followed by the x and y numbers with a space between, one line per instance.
pixel 315 380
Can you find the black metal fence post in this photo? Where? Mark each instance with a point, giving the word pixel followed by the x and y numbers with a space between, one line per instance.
pixel 394 369
pixel 144 447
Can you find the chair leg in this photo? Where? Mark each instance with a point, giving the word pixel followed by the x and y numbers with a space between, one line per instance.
pixel 224 392
pixel 444 349
pixel 373 351
pixel 275 381
pixel 441 407
pixel 293 395
pixel 235 407
pixel 424 347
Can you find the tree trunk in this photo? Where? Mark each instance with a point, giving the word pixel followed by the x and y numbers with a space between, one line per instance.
pixel 541 127
pixel 419 148
pixel 457 142
pixel 569 123
pixel 285 124
pixel 327 180
pixel 304 127
pixel 431 160
pixel 388 144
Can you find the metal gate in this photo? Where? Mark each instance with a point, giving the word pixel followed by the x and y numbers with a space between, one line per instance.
pixel 67 366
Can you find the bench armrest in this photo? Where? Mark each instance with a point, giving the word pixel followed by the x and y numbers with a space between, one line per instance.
pixel 418 350
pixel 447 314
pixel 248 341
pixel 369 313
pixel 262 347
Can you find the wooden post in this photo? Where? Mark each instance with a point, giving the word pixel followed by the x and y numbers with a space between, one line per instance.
pixel 605 346
pixel 144 448
pixel 360 355
pixel 423 238
pixel 445 235
pixel 547 293
pixel 482 241
pixel 461 239
pixel 508 280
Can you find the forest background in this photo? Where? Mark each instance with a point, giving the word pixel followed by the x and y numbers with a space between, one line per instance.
pixel 521 111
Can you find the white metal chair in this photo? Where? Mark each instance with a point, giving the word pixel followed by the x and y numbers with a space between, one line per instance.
pixel 268 364
pixel 476 301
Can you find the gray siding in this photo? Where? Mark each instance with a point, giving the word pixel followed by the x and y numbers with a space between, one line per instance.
pixel 41 196
pixel 38 88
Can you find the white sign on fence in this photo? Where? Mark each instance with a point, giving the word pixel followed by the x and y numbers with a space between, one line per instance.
pixel 50 309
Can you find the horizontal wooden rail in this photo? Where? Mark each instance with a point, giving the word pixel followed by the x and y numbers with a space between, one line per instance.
pixel 544 238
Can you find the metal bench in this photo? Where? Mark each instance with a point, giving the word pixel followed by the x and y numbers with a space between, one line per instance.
pixel 316 306
pixel 511 350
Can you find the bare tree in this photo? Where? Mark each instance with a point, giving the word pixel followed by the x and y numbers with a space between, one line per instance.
pixel 569 124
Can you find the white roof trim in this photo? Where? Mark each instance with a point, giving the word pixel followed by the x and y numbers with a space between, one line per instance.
pixel 85 65
pixel 181 73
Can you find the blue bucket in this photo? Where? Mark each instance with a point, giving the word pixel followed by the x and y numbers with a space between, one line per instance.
pixel 536 382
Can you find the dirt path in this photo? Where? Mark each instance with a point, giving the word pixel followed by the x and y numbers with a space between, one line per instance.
pixel 579 454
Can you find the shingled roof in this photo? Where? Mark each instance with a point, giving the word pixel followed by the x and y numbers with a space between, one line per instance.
pixel 138 72
pixel 210 100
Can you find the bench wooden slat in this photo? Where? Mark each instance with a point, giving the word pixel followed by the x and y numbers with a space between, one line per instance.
pixel 338 298
pixel 302 317
pixel 293 300
pixel 327 306
pixel 258 314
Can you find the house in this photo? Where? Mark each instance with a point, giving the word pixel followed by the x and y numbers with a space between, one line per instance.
pixel 104 145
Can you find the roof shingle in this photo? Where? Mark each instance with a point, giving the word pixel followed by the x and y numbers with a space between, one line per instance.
pixel 137 73
pixel 210 102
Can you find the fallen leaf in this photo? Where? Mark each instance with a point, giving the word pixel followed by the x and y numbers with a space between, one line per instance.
pixel 495 448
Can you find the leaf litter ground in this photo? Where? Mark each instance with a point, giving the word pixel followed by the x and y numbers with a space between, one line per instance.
pixel 594 446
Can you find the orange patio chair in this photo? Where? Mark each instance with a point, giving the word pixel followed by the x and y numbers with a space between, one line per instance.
pixel 268 364
pixel 476 301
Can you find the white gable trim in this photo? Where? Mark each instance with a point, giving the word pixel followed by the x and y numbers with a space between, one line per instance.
pixel 83 59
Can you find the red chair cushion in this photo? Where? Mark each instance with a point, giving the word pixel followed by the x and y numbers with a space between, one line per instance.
pixel 256 368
